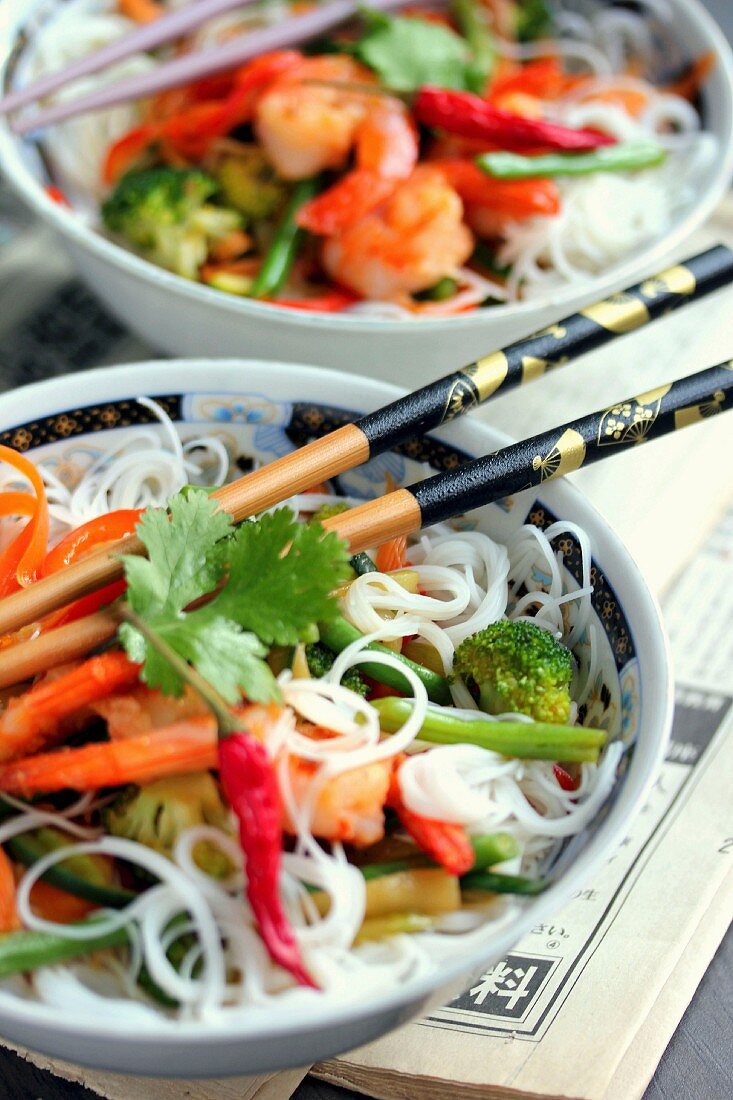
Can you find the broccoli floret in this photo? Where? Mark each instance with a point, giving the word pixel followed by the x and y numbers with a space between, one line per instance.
pixel 249 184
pixel 518 667
pixel 157 813
pixel 326 511
pixel 165 213
pixel 320 659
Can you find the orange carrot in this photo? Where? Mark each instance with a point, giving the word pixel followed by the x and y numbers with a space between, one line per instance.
pixel 141 11
pixel 20 560
pixel 391 554
pixel 9 920
pixel 50 903
pixel 690 83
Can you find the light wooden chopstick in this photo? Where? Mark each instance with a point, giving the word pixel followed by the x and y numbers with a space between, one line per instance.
pixel 418 412
pixel 522 465
pixel 201 63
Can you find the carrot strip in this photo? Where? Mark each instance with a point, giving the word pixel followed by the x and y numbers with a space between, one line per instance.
pixel 50 903
pixel 9 920
pixel 690 83
pixel 141 11
pixel 391 554
pixel 20 560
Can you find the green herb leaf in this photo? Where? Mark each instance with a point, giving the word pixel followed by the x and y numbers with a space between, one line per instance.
pixel 184 554
pixel 281 576
pixel 408 53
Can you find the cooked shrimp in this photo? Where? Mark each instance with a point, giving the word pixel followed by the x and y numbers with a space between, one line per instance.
pixel 406 245
pixel 39 717
pixel 306 127
pixel 142 710
pixel 348 807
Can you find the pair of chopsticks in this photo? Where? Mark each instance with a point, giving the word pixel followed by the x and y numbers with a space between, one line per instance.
pixel 180 70
pixel 522 465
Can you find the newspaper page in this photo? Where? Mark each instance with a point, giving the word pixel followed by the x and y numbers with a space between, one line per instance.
pixel 561 1012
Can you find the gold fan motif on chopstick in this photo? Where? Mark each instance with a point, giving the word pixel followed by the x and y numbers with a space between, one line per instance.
pixel 675 280
pixel 631 421
pixel 533 368
pixel 566 455
pixel 695 413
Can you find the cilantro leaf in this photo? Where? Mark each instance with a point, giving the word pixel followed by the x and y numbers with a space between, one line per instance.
pixel 281 576
pixel 408 53
pixel 184 555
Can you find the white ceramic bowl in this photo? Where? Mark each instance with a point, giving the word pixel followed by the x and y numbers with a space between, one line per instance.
pixel 186 318
pixel 264 409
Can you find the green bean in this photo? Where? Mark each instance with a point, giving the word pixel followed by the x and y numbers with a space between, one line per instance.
pixel 488 849
pixel 626 157
pixel 22 951
pixel 528 740
pixel 362 563
pixel 502 884
pixel 78 875
pixel 285 245
pixel 338 634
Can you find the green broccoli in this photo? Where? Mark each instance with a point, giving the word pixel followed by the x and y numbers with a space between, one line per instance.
pixel 165 213
pixel 157 813
pixel 520 668
pixel 249 184
pixel 320 659
pixel 326 511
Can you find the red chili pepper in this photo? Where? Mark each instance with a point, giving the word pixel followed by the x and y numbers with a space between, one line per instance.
pixel 444 841
pixel 567 781
pixel 470 116
pixel 250 786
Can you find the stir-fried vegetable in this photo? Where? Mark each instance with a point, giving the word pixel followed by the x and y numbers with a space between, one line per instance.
pixel 469 116
pixel 531 741
pixel 281 254
pixel 156 814
pixel 518 667
pixel 338 634
pixel 628 157
pixel 166 213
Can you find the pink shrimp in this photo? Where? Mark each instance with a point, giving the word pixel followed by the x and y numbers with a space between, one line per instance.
pixel 349 807
pixel 405 245
pixel 48 711
pixel 305 128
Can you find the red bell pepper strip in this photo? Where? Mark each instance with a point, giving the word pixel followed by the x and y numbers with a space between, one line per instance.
pixel 191 132
pixel 513 200
pixel 470 116
pixel 564 778
pixel 90 536
pixel 333 301
pixel 249 783
pixel 444 841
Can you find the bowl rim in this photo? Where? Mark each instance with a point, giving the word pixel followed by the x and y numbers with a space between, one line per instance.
pixel 69 225
pixel 191 376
